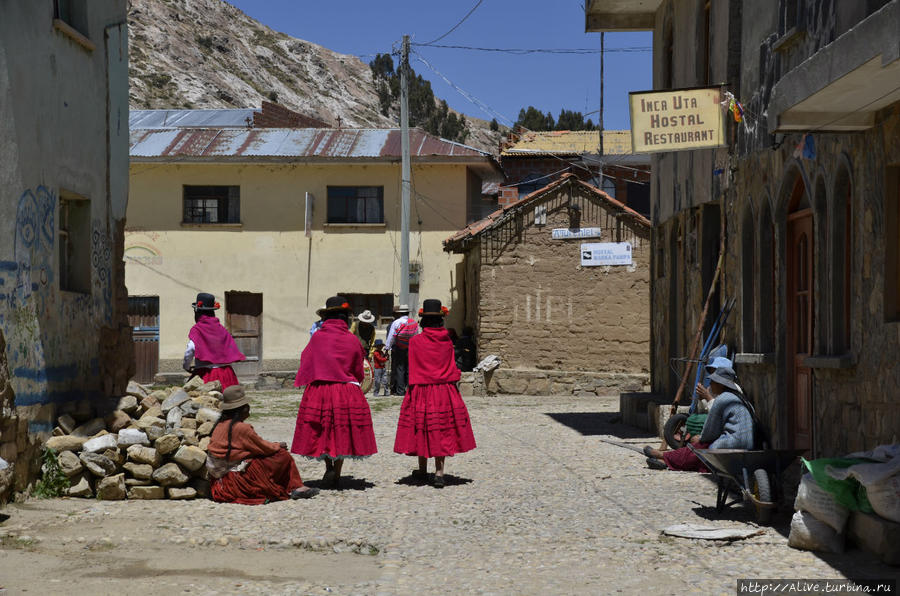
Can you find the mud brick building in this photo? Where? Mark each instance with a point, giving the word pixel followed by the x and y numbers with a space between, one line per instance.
pixel 559 325
pixel 808 186
pixel 64 339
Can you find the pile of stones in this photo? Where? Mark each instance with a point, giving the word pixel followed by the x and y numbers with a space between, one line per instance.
pixel 153 446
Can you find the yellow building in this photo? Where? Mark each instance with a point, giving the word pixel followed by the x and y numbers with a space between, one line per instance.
pixel 274 221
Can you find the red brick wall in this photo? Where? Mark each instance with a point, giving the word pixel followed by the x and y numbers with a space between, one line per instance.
pixel 274 115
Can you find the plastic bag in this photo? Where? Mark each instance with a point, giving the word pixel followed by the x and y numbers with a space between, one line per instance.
pixel 820 504
pixel 808 533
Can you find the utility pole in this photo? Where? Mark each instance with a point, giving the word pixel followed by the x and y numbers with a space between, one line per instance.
pixel 601 104
pixel 405 174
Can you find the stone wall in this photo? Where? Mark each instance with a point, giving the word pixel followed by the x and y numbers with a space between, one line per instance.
pixel 537 307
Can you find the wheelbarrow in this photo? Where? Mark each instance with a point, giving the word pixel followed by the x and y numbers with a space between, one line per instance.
pixel 756 475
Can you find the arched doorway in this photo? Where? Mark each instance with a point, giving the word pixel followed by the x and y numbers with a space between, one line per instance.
pixel 800 297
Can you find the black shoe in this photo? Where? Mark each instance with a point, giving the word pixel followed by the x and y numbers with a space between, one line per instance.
pixel 309 493
pixel 648 451
pixel 438 482
pixel 656 464
pixel 419 476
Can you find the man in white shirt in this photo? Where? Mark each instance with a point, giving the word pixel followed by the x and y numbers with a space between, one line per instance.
pixel 399 354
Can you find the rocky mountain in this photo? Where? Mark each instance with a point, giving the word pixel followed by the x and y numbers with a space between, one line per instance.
pixel 209 54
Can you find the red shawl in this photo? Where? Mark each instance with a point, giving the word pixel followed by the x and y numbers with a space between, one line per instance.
pixel 213 343
pixel 332 354
pixel 431 358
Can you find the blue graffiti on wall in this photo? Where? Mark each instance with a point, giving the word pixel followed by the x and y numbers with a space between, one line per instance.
pixel 31 312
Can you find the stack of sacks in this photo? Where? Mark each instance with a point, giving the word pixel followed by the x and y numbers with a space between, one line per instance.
pixel 819 521
pixel 153 446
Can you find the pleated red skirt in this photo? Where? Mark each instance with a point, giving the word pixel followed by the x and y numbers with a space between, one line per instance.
pixel 334 421
pixel 222 374
pixel 266 479
pixel 434 422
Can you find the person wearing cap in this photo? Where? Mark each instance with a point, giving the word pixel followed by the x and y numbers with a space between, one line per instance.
pixel 397 344
pixel 729 425
pixel 334 421
pixel 245 468
pixel 364 330
pixel 211 348
pixel 434 421
pixel 379 360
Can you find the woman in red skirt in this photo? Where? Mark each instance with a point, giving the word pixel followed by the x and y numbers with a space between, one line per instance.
pixel 334 421
pixel 245 468
pixel 434 421
pixel 210 345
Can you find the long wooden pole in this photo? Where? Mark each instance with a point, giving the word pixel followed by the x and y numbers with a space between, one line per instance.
pixel 689 365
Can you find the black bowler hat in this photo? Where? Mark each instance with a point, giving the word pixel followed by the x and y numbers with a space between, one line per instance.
pixel 205 302
pixel 335 304
pixel 432 306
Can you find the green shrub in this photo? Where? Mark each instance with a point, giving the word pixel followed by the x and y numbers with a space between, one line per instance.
pixel 53 482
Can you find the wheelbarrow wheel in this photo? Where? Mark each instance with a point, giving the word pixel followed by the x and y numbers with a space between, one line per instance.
pixel 675 429
pixel 762 491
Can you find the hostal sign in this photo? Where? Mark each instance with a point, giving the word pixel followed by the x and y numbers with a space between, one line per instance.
pixel 677 119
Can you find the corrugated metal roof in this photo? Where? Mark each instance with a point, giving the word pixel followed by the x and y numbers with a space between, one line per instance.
pixel 239 118
pixel 210 143
pixel 570 142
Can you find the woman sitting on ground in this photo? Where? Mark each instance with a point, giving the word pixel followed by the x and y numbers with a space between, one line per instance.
pixel 729 425
pixel 243 467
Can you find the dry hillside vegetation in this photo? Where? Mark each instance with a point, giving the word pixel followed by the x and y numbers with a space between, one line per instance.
pixel 209 54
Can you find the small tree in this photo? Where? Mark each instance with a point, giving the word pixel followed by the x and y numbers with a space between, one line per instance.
pixel 494 125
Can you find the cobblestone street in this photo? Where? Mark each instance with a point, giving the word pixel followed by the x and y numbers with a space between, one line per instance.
pixel 543 506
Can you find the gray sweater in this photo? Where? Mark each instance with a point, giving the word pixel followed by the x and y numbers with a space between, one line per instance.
pixel 729 424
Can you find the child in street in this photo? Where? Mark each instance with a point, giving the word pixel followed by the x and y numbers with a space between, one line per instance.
pixel 379 360
pixel 434 421
pixel 210 346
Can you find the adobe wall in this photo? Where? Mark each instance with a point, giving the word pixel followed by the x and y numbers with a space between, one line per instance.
pixel 539 308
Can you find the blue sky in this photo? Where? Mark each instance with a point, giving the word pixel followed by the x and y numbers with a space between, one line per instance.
pixel 504 82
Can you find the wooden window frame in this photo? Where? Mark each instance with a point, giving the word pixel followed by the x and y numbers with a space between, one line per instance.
pixel 334 198
pixel 224 200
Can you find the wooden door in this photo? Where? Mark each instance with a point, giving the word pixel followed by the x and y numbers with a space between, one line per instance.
pixel 800 325
pixel 143 316
pixel 243 318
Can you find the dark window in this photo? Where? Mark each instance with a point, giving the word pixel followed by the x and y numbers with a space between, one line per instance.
pixel 356 204
pixel 788 16
pixel 381 305
pixel 72 13
pixel 212 204
pixel 74 243
pixel 892 244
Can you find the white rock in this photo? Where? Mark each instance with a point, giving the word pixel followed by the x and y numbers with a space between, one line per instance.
pixel 146 492
pixel 101 443
pixel 132 436
pixel 182 493
pixel 193 384
pixel 173 419
pixel 207 415
pixel 82 488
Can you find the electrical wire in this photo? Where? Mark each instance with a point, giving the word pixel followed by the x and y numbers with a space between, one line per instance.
pixel 523 51
pixel 452 29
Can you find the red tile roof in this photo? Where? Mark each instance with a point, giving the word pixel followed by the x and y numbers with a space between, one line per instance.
pixel 458 241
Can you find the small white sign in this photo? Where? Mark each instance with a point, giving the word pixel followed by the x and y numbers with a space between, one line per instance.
pixel 605 253
pixel 574 233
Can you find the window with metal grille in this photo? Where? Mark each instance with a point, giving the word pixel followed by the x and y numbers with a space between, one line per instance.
pixel 356 204
pixel 212 204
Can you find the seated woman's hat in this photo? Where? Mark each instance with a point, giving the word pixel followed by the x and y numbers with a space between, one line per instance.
pixel 727 377
pixel 334 304
pixel 234 397
pixel 205 302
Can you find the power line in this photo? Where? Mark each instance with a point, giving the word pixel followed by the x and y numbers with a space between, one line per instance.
pixel 452 29
pixel 520 51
